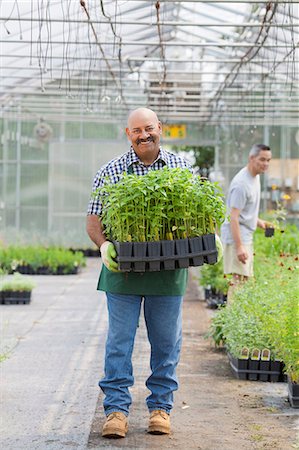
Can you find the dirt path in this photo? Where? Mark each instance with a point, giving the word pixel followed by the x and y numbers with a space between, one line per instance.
pixel 213 410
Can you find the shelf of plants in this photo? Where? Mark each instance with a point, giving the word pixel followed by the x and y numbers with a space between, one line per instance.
pixel 163 220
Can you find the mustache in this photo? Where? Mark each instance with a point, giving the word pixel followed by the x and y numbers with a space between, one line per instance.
pixel 149 139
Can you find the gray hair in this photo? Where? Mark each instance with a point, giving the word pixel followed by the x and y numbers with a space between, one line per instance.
pixel 257 148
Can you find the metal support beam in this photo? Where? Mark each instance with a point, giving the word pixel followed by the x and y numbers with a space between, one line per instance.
pixel 171 23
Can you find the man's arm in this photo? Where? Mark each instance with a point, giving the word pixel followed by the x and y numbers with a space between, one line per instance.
pixel 94 229
pixel 236 234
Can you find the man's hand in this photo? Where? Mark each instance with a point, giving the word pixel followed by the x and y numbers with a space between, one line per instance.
pixel 242 254
pixel 108 254
pixel 264 224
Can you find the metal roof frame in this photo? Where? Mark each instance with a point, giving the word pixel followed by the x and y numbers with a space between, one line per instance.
pixel 184 57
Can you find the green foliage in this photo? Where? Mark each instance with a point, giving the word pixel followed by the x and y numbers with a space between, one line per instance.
pixel 17 282
pixel 163 204
pixel 276 216
pixel 36 256
pixel 216 327
pixel 212 275
pixel 264 313
pixel 283 242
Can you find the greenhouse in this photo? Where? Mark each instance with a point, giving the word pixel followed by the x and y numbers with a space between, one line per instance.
pixel 220 77
pixel 71 72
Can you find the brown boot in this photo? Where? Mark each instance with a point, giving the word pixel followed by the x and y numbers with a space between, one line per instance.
pixel 159 422
pixel 116 425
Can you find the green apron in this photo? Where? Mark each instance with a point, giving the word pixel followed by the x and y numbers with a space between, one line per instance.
pixel 166 282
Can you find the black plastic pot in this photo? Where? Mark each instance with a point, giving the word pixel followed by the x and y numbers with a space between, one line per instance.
pixel 196 246
pixel 124 252
pixel 65 270
pixel 216 300
pixel 209 244
pixel 154 252
pixel 239 367
pixel 25 269
pixel 276 371
pixel 207 293
pixel 43 270
pixel 264 367
pixel 293 393
pixel 15 297
pixel 265 364
pixel 253 369
pixel 168 253
pixel 269 232
pixel 182 253
pixel 139 250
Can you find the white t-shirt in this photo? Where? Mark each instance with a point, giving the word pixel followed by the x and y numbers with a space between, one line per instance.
pixel 244 194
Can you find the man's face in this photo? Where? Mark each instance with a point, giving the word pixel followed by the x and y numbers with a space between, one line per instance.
pixel 144 131
pixel 260 163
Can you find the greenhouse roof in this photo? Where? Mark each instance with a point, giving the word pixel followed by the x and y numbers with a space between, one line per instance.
pixel 198 61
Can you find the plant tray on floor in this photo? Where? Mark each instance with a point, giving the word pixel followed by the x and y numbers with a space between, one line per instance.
pixel 15 297
pixel 256 369
pixel 293 393
pixel 166 254
pixel 44 270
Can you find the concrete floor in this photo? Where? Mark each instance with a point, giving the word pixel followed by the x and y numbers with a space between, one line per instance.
pixel 51 400
pixel 49 379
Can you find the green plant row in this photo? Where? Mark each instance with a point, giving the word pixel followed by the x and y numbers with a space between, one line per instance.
pixel 13 258
pixel 163 204
pixel 264 313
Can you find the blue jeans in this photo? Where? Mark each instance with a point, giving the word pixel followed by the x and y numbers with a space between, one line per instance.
pixel 163 318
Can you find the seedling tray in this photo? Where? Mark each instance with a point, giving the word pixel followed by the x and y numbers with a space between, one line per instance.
pixel 15 297
pixel 256 370
pixel 166 255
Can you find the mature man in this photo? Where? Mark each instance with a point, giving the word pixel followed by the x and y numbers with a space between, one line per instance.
pixel 160 292
pixel 243 201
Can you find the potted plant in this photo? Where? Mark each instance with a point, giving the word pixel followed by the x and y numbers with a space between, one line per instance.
pixel 16 289
pixel 269 230
pixel 167 217
pixel 215 284
pixel 275 217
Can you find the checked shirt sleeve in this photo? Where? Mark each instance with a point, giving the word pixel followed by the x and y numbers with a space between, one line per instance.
pixel 110 173
pixel 95 204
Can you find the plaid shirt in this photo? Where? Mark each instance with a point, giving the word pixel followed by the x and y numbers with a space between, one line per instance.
pixel 115 168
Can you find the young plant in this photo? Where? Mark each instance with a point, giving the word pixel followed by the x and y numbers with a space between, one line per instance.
pixel 212 275
pixel 17 282
pixel 163 204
